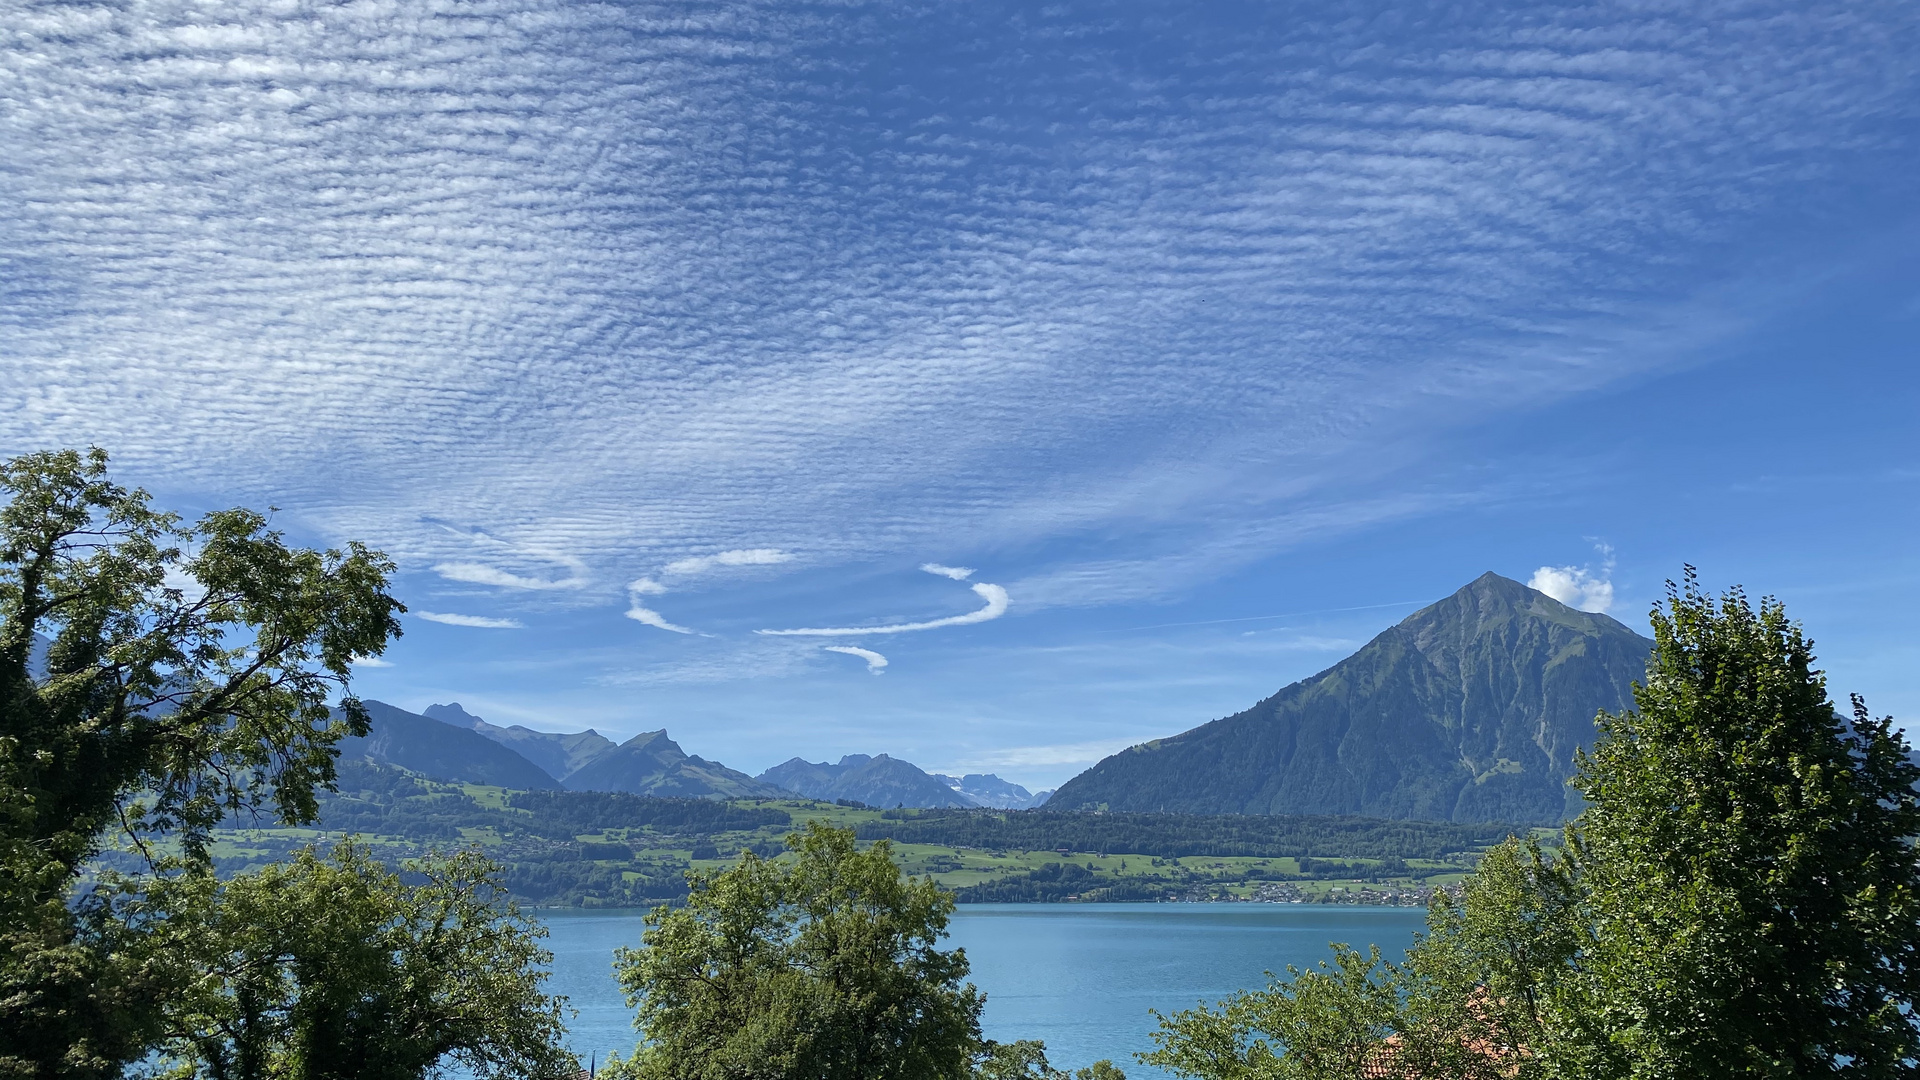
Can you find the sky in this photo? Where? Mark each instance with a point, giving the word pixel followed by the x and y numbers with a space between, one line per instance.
pixel 991 385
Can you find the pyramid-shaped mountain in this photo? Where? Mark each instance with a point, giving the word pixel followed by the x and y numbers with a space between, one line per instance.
pixel 1468 710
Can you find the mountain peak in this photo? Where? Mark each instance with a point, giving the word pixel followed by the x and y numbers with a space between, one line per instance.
pixel 877 780
pixel 1469 709
pixel 452 713
pixel 1489 602
pixel 650 763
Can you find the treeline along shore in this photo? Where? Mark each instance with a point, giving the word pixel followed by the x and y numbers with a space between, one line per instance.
pixel 611 849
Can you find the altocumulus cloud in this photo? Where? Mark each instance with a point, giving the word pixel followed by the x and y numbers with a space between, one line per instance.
pixel 701 564
pixel 398 263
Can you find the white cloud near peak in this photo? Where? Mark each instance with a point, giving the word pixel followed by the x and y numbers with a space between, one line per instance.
pixel 479 621
pixel 875 662
pixel 957 573
pixel 646 586
pixel 994 595
pixel 1574 586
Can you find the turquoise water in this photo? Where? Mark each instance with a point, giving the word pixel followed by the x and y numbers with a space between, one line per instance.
pixel 1080 977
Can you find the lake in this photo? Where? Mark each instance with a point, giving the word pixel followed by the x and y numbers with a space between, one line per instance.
pixel 1080 977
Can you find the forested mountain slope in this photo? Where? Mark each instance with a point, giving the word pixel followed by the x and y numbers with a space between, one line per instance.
pixel 1469 710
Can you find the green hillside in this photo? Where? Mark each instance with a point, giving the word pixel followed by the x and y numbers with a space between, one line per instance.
pixel 612 849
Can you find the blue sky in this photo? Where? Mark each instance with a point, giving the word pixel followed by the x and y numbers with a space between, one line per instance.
pixel 1210 339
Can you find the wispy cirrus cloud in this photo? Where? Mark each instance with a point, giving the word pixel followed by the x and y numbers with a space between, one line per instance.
pixel 693 566
pixel 483 574
pixel 484 622
pixel 639 612
pixel 996 606
pixel 876 664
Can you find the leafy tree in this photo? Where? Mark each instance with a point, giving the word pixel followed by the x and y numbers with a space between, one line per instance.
pixel 1740 898
pixel 1749 863
pixel 825 966
pixel 1027 1060
pixel 333 969
pixel 154 676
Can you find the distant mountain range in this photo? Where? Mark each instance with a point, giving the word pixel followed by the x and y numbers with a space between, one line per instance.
pixel 1468 710
pixel 652 764
pixel 986 789
pixel 888 782
pixel 449 743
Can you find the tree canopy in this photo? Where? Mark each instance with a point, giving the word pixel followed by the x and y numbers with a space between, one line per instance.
pixel 335 969
pixel 155 675
pixel 825 966
pixel 1741 897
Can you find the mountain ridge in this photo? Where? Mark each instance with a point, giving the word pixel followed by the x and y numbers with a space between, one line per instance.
pixel 438 749
pixel 650 763
pixel 558 754
pixel 473 751
pixel 876 780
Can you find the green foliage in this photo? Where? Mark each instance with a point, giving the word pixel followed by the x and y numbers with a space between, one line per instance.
pixel 1741 898
pixel 1027 1060
pixel 592 811
pixel 334 969
pixel 1176 835
pixel 155 676
pixel 561 848
pixel 1749 862
pixel 1358 1016
pixel 823 967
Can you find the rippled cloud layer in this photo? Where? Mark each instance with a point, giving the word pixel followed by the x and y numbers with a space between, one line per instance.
pixel 547 295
